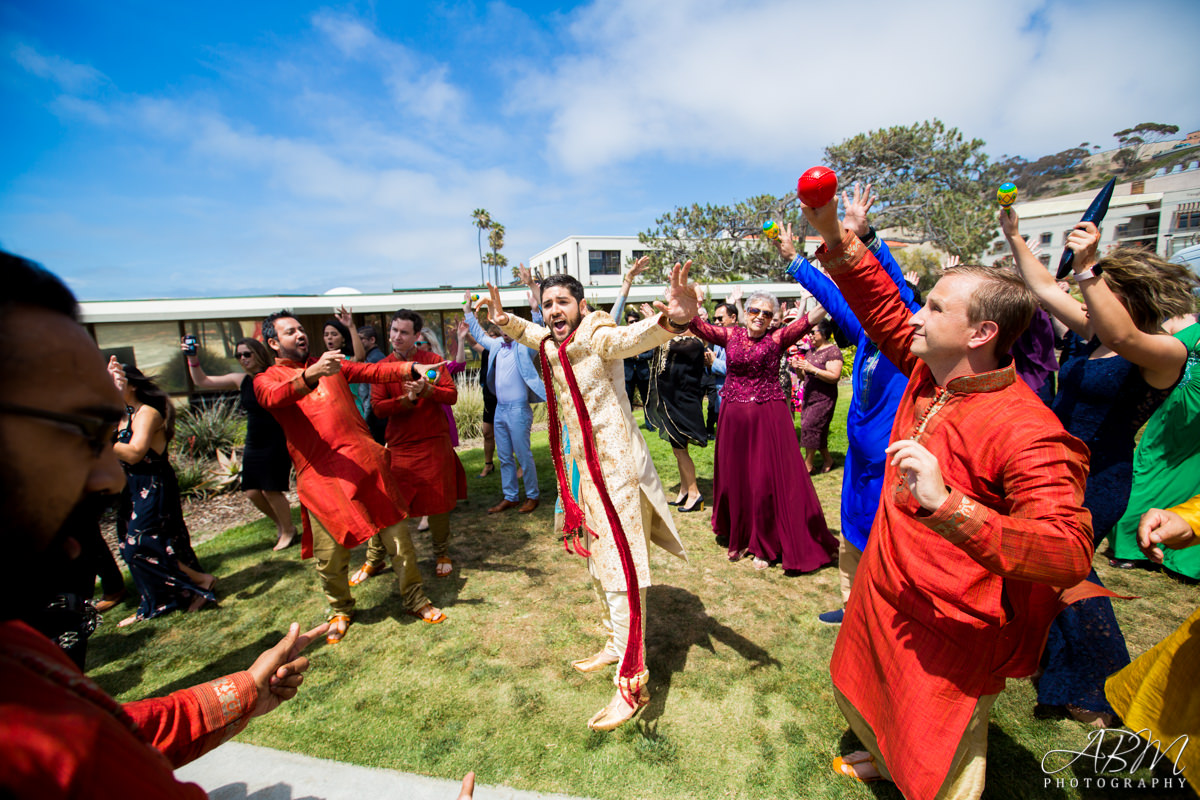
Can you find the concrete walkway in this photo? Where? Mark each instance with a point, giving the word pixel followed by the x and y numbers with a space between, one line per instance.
pixel 237 771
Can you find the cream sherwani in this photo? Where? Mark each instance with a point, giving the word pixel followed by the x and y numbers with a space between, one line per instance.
pixel 597 353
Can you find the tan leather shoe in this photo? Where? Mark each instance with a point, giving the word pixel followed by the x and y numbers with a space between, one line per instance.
pixel 618 712
pixel 594 663
pixel 529 505
pixel 503 505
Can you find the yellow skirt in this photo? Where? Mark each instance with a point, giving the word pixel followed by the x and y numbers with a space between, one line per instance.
pixel 1161 691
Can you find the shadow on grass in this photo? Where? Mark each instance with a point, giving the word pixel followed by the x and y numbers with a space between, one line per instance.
pixel 1012 769
pixel 227 663
pixel 678 622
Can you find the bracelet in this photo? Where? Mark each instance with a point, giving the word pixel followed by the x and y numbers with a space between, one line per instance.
pixel 670 325
pixel 195 363
pixel 869 239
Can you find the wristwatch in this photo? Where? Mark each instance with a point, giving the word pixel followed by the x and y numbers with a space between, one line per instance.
pixel 1089 273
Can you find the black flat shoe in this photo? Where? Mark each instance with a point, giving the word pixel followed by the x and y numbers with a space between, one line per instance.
pixel 698 505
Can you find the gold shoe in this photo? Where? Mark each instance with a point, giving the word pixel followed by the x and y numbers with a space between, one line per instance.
pixel 594 663
pixel 618 712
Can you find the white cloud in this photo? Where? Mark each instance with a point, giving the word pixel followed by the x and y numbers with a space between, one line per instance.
pixel 69 76
pixel 420 88
pixel 704 79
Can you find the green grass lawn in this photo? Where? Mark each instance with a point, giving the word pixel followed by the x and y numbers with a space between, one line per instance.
pixel 741 699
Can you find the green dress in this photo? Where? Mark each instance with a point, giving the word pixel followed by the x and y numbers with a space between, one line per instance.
pixel 1166 467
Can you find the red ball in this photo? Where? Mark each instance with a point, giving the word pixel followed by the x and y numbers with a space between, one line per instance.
pixel 817 186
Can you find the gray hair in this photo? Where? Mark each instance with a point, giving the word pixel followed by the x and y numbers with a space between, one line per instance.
pixel 770 298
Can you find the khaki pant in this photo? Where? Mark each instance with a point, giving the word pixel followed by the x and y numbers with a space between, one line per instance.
pixel 439 532
pixel 333 565
pixel 968 768
pixel 848 558
pixel 616 620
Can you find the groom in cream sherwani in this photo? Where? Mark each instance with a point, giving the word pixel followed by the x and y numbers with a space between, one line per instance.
pixel 619 505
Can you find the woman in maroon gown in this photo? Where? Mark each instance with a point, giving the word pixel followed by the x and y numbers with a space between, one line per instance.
pixel 764 501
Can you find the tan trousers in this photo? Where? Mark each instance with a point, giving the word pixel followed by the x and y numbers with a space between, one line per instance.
pixel 616 619
pixel 968 768
pixel 333 565
pixel 848 558
pixel 439 532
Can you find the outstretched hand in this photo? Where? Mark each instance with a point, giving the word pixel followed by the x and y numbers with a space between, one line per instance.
pixel 786 246
pixel 638 268
pixel 1010 223
pixel 278 672
pixel 856 209
pixel 345 316
pixel 681 306
pixel 495 308
pixel 1159 528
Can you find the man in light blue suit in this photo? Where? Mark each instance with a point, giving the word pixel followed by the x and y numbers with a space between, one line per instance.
pixel 514 379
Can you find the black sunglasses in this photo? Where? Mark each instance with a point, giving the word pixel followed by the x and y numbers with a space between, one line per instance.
pixel 244 354
pixel 97 431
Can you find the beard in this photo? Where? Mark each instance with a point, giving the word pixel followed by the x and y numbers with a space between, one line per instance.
pixel 62 566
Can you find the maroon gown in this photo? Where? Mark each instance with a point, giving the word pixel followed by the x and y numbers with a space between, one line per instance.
pixel 763 499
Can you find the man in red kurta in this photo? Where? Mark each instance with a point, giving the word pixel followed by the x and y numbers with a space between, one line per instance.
pixel 418 441
pixel 60 734
pixel 343 476
pixel 981 525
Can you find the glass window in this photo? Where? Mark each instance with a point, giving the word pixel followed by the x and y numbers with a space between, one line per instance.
pixel 1189 219
pixel 152 347
pixel 1047 237
pixel 604 262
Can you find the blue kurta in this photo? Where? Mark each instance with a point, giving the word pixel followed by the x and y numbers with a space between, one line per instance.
pixel 877 387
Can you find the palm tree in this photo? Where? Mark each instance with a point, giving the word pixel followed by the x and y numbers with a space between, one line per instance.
pixel 496 243
pixel 483 221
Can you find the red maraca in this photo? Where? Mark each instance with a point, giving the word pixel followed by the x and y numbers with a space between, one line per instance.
pixel 817 186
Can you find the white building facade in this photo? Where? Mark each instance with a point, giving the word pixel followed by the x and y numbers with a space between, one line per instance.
pixel 1161 213
pixel 592 260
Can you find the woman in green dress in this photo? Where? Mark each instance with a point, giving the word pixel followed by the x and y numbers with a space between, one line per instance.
pixel 1166 466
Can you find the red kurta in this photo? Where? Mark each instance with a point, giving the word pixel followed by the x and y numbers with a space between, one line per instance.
pixel 418 441
pixel 947 605
pixel 61 736
pixel 342 474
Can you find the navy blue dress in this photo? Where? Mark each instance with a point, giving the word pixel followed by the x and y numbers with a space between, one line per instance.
pixel 1104 402
pixel 152 536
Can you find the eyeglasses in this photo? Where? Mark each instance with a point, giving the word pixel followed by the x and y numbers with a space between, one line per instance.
pixel 244 354
pixel 765 312
pixel 426 345
pixel 98 431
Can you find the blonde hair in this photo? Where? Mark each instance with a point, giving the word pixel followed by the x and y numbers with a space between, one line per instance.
pixel 1002 298
pixel 1151 288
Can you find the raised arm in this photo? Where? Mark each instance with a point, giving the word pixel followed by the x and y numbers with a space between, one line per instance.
pixel 714 334
pixel 346 317
pixel 868 290
pixel 145 423
pixel 1061 305
pixel 214 382
pixel 527 333
pixel 1160 356
pixel 488 342
pixel 626 284
pixel 827 294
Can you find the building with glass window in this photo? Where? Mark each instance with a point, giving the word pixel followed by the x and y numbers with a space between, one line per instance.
pixel 1160 213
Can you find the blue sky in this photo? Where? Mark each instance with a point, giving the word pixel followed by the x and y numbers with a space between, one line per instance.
pixel 158 149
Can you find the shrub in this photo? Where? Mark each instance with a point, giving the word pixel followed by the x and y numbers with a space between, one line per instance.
pixel 193 475
pixel 468 411
pixel 201 431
